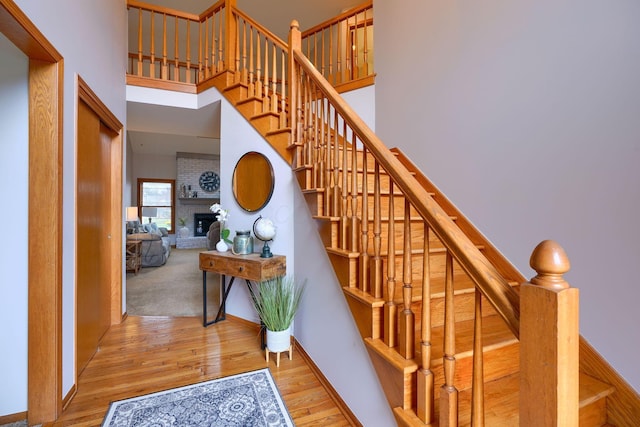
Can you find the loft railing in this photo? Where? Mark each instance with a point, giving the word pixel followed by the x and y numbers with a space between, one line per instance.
pixel 170 46
pixel 371 195
pixel 342 47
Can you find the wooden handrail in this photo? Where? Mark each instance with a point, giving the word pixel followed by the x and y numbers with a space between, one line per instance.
pixel 493 286
pixel 164 10
pixel 277 40
pixel 212 10
pixel 335 20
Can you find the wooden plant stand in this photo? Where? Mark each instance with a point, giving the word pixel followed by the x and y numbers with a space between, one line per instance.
pixel 267 351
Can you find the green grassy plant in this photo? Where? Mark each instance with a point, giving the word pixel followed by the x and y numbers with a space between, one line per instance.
pixel 277 302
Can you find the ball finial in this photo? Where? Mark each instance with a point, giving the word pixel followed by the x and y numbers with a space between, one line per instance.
pixel 550 261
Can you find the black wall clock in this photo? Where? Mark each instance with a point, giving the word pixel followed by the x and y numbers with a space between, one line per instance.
pixel 209 181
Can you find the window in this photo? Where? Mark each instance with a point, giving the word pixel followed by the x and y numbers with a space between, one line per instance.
pixel 156 202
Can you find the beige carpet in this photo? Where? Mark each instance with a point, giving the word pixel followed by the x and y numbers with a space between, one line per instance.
pixel 174 289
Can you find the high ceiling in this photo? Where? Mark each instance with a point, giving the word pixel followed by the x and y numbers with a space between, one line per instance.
pixel 167 130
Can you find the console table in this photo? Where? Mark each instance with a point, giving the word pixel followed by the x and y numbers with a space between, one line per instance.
pixel 249 267
pixel 134 255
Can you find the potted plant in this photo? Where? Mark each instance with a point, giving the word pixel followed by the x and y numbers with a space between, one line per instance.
pixel 276 304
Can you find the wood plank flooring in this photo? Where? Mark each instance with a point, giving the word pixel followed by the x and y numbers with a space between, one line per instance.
pixel 147 354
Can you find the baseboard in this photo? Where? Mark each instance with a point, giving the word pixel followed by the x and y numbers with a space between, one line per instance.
pixel 350 416
pixel 13 418
pixel 69 397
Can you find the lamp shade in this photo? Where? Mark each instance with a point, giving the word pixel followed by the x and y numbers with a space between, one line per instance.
pixel 132 213
pixel 149 212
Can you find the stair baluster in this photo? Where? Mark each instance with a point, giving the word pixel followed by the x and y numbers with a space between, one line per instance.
pixel 152 61
pixel 364 227
pixel 425 375
pixel 448 392
pixel 353 243
pixel 390 309
pixel 407 318
pixel 377 233
pixel 176 54
pixel 477 388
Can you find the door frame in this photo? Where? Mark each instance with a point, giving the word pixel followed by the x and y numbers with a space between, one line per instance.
pixel 45 81
pixel 45 92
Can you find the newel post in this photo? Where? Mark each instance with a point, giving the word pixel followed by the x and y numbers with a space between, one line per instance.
pixel 549 337
pixel 295 44
pixel 230 36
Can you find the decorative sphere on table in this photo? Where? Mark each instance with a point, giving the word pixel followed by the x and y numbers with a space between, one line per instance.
pixel 264 230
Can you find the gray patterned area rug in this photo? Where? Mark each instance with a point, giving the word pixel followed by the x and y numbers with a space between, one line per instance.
pixel 248 399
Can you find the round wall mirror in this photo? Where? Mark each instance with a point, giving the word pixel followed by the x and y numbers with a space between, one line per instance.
pixel 253 181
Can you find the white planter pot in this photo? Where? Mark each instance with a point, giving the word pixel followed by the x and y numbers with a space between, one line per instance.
pixel 278 341
pixel 183 232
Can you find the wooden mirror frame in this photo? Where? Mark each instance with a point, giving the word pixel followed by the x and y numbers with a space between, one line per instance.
pixel 253 181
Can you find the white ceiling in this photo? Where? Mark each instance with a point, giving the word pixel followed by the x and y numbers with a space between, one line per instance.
pixel 167 130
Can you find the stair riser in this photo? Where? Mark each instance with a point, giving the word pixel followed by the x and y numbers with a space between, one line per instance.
pixel 265 123
pixel 437 263
pixel 497 363
pixel 329 137
pixel 236 93
pixel 417 239
pixel 249 107
pixel 329 232
pixel 399 387
pixel 346 269
pixel 314 201
pixel 330 176
pixel 368 319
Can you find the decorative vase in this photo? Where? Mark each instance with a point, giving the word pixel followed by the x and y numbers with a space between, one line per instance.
pixel 184 232
pixel 279 341
pixel 221 246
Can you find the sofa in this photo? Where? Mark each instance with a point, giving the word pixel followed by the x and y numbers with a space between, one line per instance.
pixel 156 246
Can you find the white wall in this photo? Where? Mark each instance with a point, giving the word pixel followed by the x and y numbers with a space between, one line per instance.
pixel 324 325
pixel 101 61
pixel 14 186
pixel 526 115
pixel 238 137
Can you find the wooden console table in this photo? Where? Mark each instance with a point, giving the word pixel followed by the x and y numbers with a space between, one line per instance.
pixel 134 255
pixel 249 267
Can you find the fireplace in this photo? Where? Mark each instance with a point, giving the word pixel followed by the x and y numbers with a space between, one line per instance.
pixel 202 222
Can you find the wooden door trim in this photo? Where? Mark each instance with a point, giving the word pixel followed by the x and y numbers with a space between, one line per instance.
pixel 46 71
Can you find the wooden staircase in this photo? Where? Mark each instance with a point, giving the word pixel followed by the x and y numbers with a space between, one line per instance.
pixel 437 306
pixel 399 375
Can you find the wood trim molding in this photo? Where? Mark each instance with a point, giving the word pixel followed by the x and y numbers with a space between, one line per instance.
pixel 161 84
pixel 350 416
pixel 18 28
pixel 46 71
pixel 45 278
pixel 91 99
pixel 12 418
pixel 69 396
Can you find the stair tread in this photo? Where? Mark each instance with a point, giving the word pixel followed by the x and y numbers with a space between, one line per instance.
pixel 495 334
pixel 501 402
pixel 400 363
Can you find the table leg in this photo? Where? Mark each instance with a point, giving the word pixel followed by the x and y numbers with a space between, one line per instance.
pixel 222 311
pixel 263 343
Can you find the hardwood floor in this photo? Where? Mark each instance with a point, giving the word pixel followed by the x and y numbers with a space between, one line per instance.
pixel 147 354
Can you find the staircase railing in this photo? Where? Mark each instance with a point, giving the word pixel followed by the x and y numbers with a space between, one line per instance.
pixel 347 162
pixel 341 48
pixel 186 51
